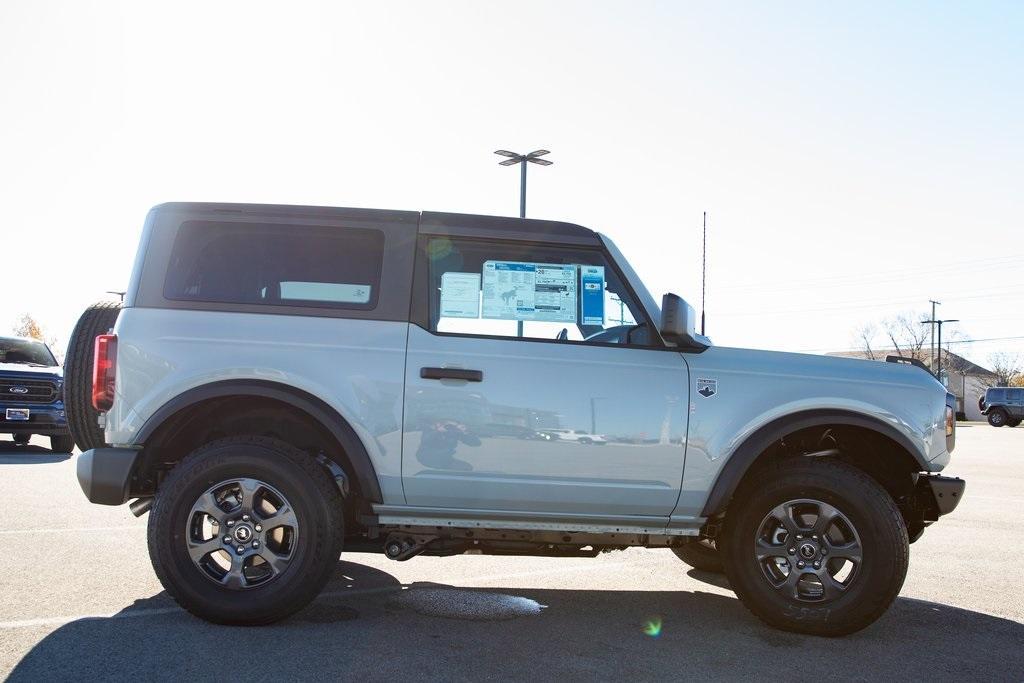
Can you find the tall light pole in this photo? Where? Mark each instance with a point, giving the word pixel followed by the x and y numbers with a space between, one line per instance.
pixel 933 321
pixel 513 159
pixel 533 157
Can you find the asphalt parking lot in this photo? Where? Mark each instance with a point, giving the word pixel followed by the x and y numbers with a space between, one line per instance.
pixel 78 600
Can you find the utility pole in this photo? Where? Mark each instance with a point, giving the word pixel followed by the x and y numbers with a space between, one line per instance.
pixel 704 272
pixel 933 321
pixel 931 357
pixel 522 159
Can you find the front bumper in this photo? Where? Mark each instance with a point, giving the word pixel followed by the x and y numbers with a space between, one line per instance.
pixel 937 495
pixel 105 474
pixel 47 419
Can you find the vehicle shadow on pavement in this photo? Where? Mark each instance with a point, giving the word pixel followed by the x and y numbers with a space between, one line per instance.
pixel 368 625
pixel 28 455
pixel 709 578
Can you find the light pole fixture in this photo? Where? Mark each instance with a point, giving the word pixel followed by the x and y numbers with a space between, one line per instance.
pixel 533 157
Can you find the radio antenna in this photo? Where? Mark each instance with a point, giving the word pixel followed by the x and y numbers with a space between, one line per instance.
pixel 703 272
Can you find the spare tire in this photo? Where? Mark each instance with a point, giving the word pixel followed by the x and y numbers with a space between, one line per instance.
pixel 83 419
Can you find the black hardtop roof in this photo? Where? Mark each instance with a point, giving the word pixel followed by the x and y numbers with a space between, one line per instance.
pixel 429 222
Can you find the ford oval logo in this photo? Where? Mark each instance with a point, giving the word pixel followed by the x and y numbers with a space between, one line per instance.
pixel 18 390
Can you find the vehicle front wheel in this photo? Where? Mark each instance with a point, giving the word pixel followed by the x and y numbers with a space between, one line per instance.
pixel 997 418
pixel 62 444
pixel 815 546
pixel 246 530
pixel 700 553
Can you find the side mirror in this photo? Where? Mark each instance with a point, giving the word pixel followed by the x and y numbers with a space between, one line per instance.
pixel 677 323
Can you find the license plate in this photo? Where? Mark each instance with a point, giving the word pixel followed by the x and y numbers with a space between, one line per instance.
pixel 17 414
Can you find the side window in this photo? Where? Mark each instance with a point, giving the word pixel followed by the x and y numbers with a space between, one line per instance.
pixel 284 265
pixel 508 289
pixel 1015 395
pixel 996 396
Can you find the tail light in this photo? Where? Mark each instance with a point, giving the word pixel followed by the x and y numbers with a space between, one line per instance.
pixel 103 369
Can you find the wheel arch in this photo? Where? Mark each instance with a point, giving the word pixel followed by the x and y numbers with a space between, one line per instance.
pixel 744 457
pixel 360 466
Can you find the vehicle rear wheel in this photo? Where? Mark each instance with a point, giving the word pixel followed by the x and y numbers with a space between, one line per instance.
pixel 83 419
pixel 22 439
pixel 246 530
pixel 62 444
pixel 1014 422
pixel 998 418
pixel 815 546
pixel 700 553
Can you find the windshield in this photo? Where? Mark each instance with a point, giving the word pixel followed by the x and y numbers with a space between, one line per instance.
pixel 26 352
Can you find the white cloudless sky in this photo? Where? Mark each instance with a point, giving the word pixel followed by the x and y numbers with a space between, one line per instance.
pixel 855 159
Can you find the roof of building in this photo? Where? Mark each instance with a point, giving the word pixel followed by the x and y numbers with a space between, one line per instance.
pixel 958 363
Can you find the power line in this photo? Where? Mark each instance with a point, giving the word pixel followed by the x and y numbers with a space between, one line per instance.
pixel 871 303
pixel 945 343
pixel 975 341
pixel 878 276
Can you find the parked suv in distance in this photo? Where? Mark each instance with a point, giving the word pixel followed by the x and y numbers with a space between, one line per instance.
pixel 285 382
pixel 32 393
pixel 1003 406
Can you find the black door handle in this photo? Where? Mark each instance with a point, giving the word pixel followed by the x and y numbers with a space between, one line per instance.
pixel 452 373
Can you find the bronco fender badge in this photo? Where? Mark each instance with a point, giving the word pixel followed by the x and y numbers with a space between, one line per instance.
pixel 707 387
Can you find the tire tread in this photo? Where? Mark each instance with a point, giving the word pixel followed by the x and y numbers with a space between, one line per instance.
pixel 856 484
pixel 326 544
pixel 78 361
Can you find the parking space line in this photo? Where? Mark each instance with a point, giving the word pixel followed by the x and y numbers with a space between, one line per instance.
pixel 157 611
pixel 61 530
pixel 59 621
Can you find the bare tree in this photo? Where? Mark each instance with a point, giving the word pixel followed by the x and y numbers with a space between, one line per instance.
pixel 907 335
pixel 903 335
pixel 864 339
pixel 1008 368
pixel 28 327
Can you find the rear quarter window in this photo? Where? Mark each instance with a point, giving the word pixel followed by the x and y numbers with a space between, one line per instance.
pixel 281 265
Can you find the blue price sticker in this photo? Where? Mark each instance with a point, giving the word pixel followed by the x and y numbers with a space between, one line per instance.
pixel 592 294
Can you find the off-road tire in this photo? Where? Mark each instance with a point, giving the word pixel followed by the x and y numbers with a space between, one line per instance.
pixel 998 418
pixel 313 495
pixel 62 444
pixel 871 510
pixel 701 554
pixel 83 419
pixel 1015 422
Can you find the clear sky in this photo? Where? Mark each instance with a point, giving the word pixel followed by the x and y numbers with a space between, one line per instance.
pixel 855 159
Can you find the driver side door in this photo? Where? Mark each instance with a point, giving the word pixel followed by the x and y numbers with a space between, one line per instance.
pixel 488 393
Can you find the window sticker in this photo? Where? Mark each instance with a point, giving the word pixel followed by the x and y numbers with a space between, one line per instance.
pixel 460 295
pixel 514 290
pixel 592 294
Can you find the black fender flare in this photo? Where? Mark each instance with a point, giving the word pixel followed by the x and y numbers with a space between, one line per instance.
pixel 743 457
pixel 327 416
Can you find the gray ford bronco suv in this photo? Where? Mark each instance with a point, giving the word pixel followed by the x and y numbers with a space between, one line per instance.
pixel 284 383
